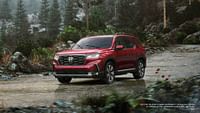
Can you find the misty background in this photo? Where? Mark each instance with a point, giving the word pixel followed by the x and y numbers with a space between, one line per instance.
pixel 31 6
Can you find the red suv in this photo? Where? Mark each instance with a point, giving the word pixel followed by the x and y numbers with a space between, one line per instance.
pixel 101 57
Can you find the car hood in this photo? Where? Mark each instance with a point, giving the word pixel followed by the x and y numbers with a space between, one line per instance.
pixel 81 51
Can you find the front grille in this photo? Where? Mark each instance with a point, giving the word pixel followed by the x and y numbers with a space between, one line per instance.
pixel 71 60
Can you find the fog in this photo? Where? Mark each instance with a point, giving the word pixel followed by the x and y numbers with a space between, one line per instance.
pixel 32 6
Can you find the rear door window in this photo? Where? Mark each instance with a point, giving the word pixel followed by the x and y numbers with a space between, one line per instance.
pixel 125 41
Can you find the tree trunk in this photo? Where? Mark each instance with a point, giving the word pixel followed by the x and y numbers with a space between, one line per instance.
pixel 164 15
pixel 190 2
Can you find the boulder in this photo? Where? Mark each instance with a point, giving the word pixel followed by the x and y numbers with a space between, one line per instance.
pixel 189 27
pixel 19 63
pixel 181 9
pixel 71 43
pixel 193 38
pixel 60 46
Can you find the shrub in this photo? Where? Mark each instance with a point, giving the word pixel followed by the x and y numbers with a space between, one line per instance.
pixel 26 46
pixel 1 51
pixel 44 40
pixel 189 27
pixel 154 40
pixel 192 40
pixel 42 56
pixel 70 33
pixel 180 36
pixel 1 47
pixel 114 103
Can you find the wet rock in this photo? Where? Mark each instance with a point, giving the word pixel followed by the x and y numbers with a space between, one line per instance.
pixel 181 9
pixel 188 27
pixel 18 62
pixel 181 91
pixel 38 68
pixel 60 106
pixel 193 38
pixel 62 103
pixel 153 28
pixel 153 50
pixel 5 77
pixel 60 46
pixel 71 43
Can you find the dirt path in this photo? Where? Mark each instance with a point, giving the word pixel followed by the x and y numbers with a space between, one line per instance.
pixel 177 62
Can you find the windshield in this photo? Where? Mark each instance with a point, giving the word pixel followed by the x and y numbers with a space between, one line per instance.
pixel 91 43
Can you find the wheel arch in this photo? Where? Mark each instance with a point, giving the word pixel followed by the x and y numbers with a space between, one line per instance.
pixel 110 60
pixel 142 59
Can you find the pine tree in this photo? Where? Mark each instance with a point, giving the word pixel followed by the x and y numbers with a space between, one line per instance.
pixel 5 11
pixel 70 13
pixel 21 22
pixel 54 20
pixel 44 14
pixel 3 31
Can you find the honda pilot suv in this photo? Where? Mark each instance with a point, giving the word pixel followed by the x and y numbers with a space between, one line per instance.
pixel 101 57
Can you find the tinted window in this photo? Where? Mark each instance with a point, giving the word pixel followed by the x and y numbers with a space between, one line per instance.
pixel 124 41
pixel 91 43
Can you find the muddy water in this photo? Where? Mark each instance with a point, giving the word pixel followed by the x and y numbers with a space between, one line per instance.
pixel 34 90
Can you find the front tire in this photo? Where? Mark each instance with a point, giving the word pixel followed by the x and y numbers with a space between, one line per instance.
pixel 109 73
pixel 64 80
pixel 140 70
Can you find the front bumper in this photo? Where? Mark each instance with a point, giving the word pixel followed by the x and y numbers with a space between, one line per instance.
pixel 81 71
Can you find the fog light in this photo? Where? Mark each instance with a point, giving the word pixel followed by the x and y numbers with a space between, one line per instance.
pixel 90 73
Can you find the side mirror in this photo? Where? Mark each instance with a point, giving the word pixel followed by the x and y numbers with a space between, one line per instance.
pixel 119 47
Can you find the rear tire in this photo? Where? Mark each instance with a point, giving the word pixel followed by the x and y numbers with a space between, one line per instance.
pixel 140 70
pixel 64 80
pixel 109 72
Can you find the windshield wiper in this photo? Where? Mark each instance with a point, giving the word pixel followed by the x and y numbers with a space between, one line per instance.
pixel 92 46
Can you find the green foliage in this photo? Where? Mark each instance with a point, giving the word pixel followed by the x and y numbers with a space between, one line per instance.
pixel 154 40
pixel 180 36
pixel 44 13
pixel 74 34
pixel 26 45
pixel 70 33
pixel 192 40
pixel 2 35
pixel 70 12
pixel 107 31
pixel 42 55
pixel 114 103
pixel 191 11
pixel 117 103
pixel 54 20
pixel 125 14
pixel 97 19
pixel 189 27
pixel 43 40
pixel 1 47
pixel 5 10
pixel 21 22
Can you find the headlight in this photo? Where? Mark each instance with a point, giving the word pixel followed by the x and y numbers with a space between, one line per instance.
pixel 56 57
pixel 93 56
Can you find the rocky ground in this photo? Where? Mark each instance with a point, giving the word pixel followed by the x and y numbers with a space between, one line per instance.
pixel 175 63
pixel 181 96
